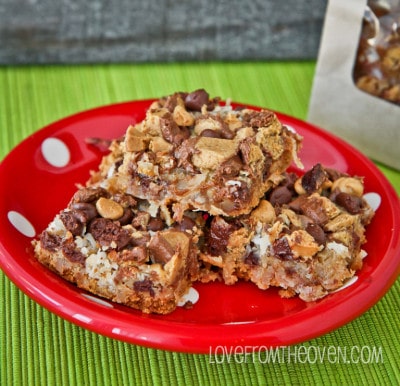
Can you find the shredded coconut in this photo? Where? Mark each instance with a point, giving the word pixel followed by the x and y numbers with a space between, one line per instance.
pixel 338 248
pixel 98 266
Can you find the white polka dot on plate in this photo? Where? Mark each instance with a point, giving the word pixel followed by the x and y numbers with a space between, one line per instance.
pixel 191 296
pixel 21 223
pixel 348 283
pixel 373 199
pixel 55 152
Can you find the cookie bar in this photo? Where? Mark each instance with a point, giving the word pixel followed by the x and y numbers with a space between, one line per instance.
pixel 110 245
pixel 191 153
pixel 305 236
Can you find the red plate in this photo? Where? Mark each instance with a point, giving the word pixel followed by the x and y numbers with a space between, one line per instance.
pixel 241 315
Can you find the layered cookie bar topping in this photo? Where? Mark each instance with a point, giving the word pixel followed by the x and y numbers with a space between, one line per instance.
pixel 110 245
pixel 191 153
pixel 199 191
pixel 305 236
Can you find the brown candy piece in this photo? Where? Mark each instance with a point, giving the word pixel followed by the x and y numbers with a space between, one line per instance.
pixel 280 195
pixel 316 232
pixel 196 100
pixel 352 204
pixel 160 250
pixel 84 211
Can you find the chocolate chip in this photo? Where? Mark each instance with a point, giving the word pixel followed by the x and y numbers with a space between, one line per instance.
pixel 282 249
pixel 231 167
pixel 89 194
pixel 126 200
pixel 226 133
pixel 252 259
pixel 171 132
pixel 218 235
pixel 211 133
pixel 196 100
pixel 314 179
pixel 172 101
pixel 155 224
pixel 280 195
pixel 316 232
pixel 71 223
pixel 352 204
pixel 241 194
pixel 84 211
pixel 106 232
pixel 145 285
pixel 72 253
pixel 138 254
pixel 261 118
pixel 126 218
pixel 334 174
pixel 290 179
pixel 50 242
pixel 186 224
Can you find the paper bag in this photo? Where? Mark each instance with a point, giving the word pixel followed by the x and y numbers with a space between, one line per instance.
pixel 369 123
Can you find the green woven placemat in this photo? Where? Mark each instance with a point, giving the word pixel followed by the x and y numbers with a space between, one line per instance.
pixel 39 348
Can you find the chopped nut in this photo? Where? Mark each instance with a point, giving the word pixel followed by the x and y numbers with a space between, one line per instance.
pixel 349 185
pixel 302 244
pixel 182 117
pixel 264 213
pixel 211 152
pixel 109 209
pixel 298 187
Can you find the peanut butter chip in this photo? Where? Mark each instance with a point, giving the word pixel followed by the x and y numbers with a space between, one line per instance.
pixel 109 209
pixel 211 152
pixel 135 139
pixel 182 117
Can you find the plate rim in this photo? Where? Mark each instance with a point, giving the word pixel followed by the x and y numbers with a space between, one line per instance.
pixel 231 332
